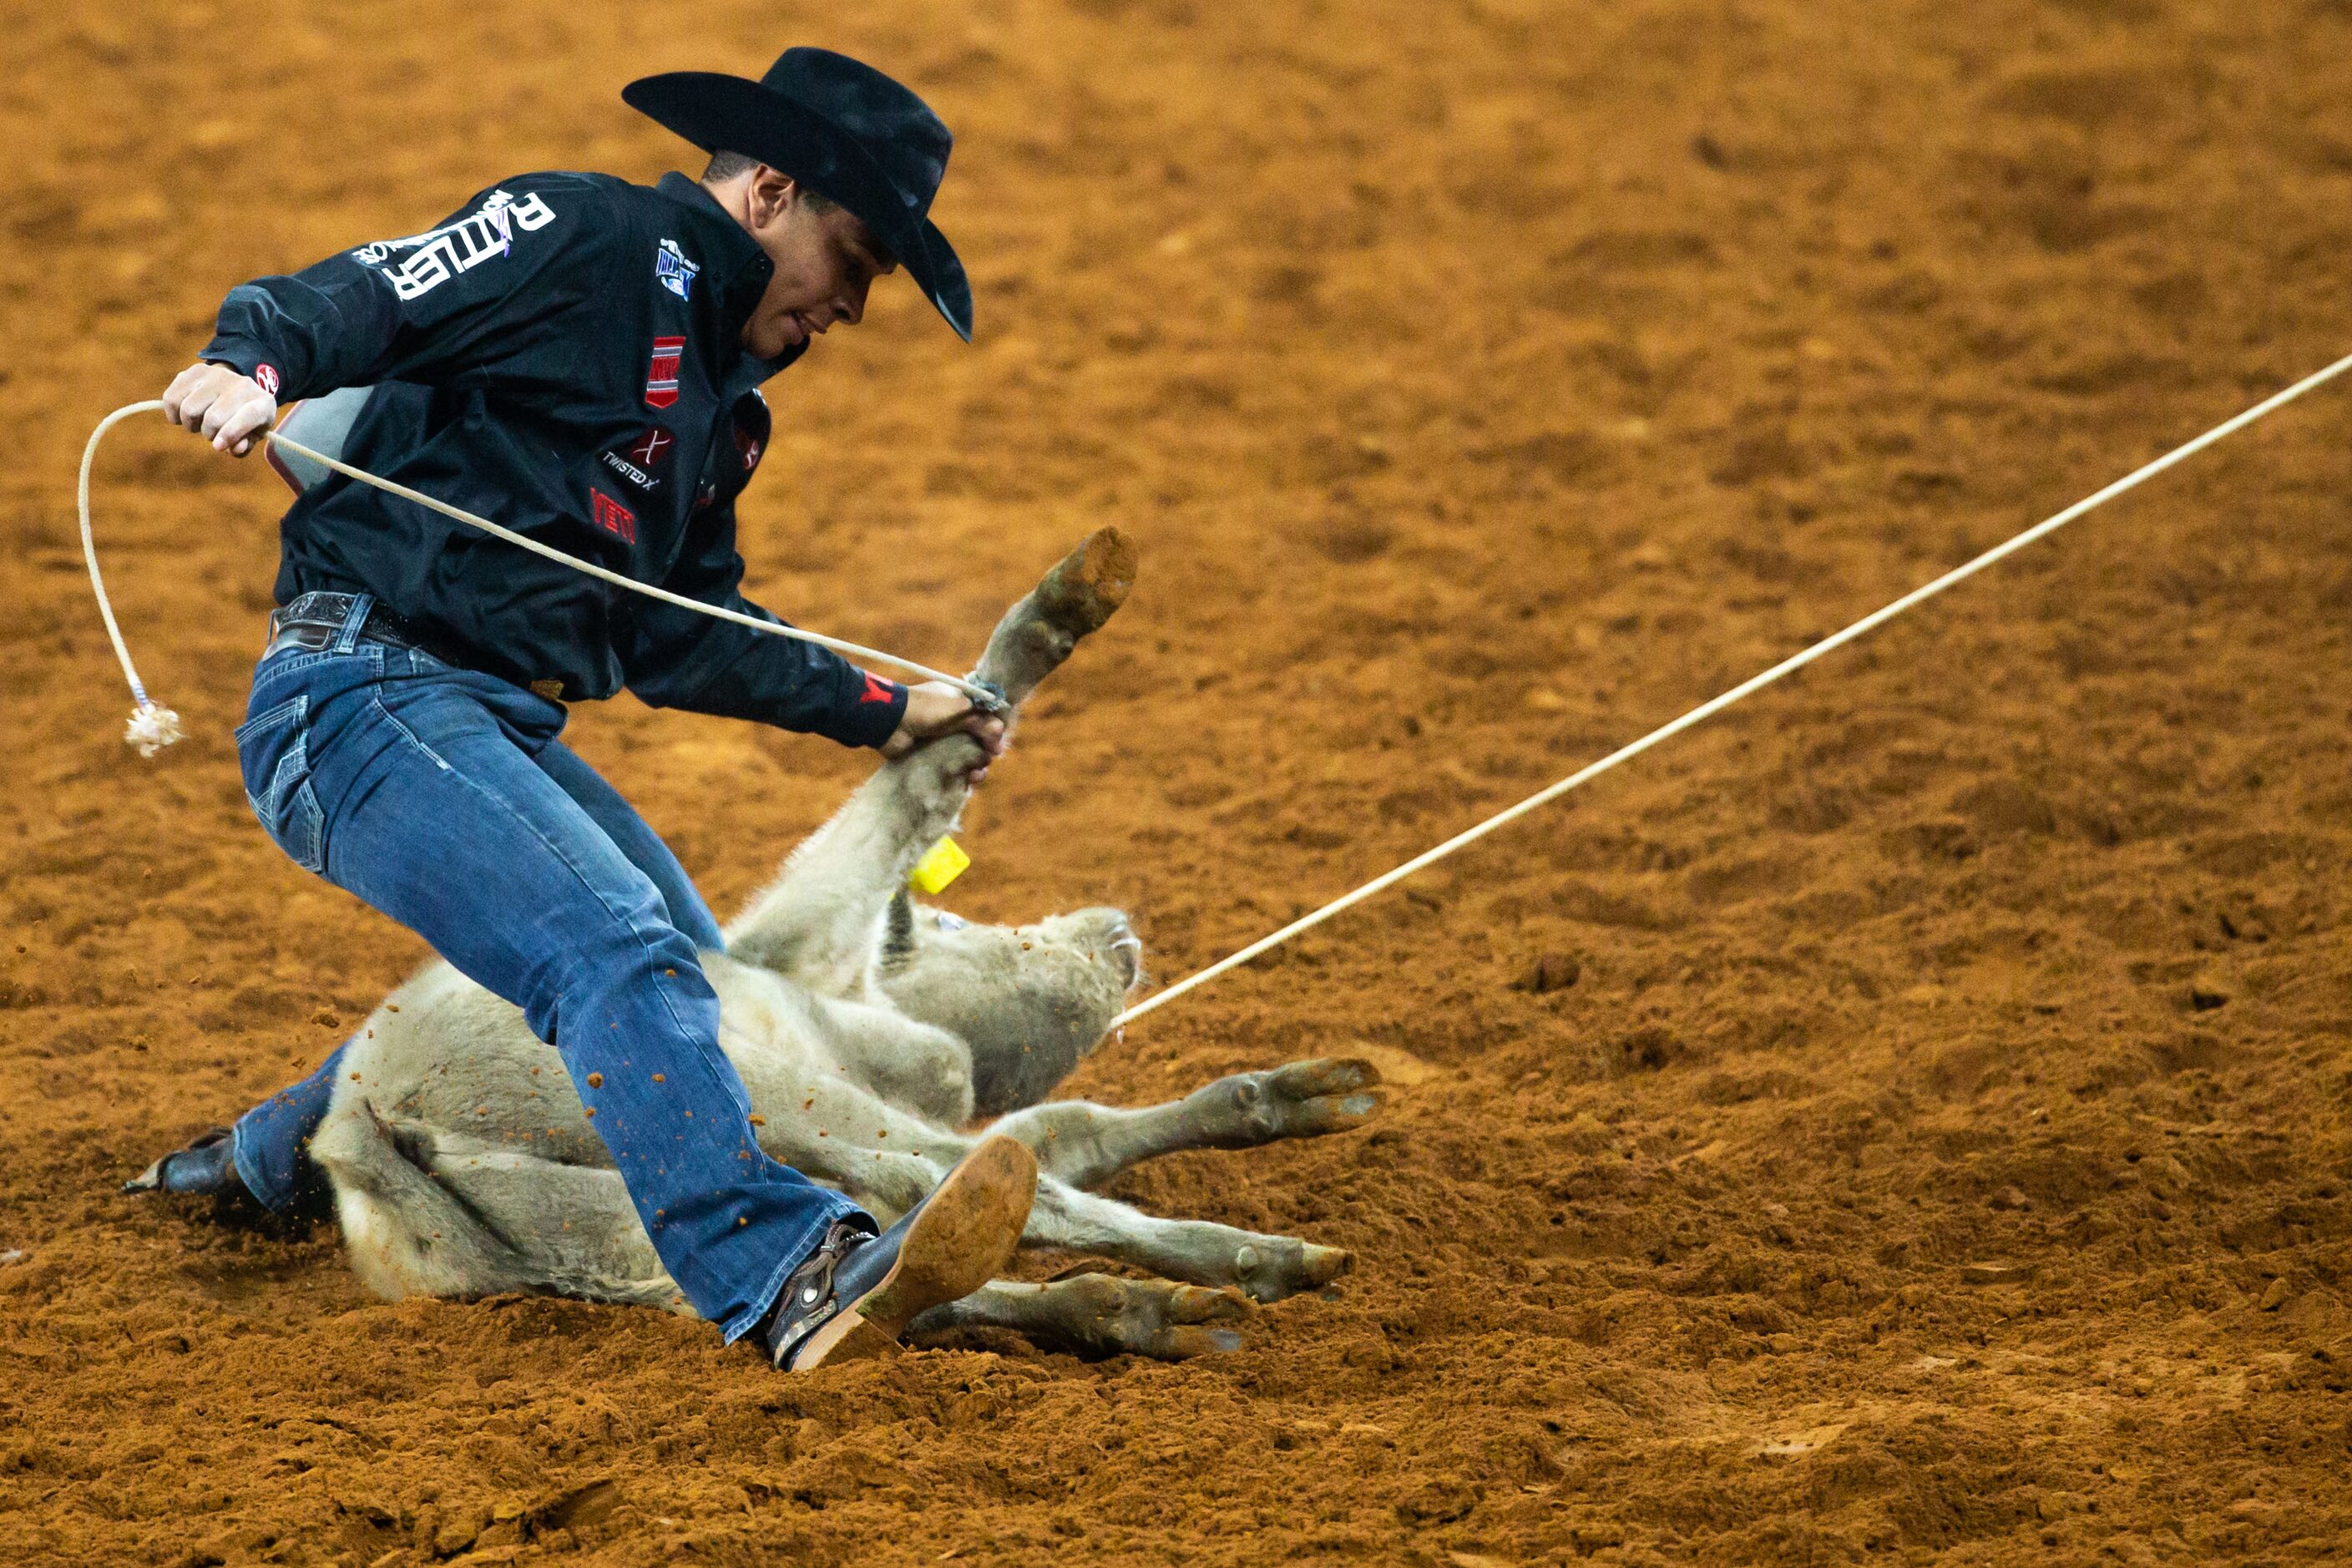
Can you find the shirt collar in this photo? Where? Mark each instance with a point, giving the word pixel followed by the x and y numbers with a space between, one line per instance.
pixel 739 269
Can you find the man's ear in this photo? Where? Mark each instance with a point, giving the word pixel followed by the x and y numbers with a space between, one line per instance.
pixel 772 191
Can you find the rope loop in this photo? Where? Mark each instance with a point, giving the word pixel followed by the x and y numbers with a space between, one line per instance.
pixel 154 727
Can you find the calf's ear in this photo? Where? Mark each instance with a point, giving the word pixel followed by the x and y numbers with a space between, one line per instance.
pixel 898 933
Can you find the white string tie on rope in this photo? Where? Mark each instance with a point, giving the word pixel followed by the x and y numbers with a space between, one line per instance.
pixel 154 727
pixel 1708 710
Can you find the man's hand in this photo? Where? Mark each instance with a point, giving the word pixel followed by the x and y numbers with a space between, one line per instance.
pixel 220 405
pixel 936 708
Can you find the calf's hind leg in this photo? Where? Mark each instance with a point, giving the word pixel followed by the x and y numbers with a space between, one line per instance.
pixel 1200 1252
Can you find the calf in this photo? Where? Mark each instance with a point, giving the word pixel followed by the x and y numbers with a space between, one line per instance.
pixel 870 1031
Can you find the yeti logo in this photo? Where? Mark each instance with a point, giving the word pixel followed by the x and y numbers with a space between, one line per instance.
pixel 613 517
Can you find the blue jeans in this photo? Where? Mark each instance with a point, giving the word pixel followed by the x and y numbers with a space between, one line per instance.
pixel 442 797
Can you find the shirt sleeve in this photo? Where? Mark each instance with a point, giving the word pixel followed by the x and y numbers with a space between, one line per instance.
pixel 675 657
pixel 461 297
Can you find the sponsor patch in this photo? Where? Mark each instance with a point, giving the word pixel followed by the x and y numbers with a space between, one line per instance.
pixel 643 459
pixel 613 517
pixel 651 449
pixel 661 375
pixel 440 254
pixel 673 272
pixel 876 689
pixel 751 446
pixel 265 376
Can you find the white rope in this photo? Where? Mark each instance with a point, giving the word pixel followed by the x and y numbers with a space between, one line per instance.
pixel 1708 710
pixel 153 727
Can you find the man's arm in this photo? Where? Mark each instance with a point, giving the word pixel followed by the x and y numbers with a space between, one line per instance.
pixel 674 658
pixel 494 277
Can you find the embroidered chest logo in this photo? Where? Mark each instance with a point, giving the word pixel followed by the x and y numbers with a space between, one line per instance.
pixel 661 375
pixel 673 272
pixel 642 459
pixel 613 517
pixel 440 254
pixel 651 446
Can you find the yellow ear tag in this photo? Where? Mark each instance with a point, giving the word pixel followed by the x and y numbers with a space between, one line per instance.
pixel 941 864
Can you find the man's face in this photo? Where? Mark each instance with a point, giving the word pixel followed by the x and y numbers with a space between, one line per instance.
pixel 825 259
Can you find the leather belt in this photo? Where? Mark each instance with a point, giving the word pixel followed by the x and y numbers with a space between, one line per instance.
pixel 312 620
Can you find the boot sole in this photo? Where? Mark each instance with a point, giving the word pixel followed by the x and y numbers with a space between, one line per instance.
pixel 963 1239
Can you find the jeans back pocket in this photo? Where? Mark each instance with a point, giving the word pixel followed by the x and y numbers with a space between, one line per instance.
pixel 272 754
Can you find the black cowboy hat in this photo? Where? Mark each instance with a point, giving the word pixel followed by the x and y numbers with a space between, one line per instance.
pixel 843 130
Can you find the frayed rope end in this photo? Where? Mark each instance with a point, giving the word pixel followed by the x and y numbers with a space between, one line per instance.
pixel 150 729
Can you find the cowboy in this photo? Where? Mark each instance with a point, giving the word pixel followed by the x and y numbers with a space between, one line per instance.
pixel 581 357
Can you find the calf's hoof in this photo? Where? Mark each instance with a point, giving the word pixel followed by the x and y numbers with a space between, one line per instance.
pixel 1273 1266
pixel 1331 1094
pixel 1156 1318
pixel 1089 584
pixel 1301 1100
pixel 1074 599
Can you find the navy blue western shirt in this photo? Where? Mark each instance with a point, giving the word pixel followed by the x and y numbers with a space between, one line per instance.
pixel 563 355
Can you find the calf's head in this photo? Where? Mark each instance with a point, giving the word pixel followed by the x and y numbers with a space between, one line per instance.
pixel 1031 1001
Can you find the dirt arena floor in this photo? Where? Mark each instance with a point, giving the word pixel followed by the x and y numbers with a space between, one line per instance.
pixel 1905 1120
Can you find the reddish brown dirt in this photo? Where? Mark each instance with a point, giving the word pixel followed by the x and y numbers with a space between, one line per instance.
pixel 1485 382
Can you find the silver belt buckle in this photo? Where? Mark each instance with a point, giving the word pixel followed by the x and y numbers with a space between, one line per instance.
pixel 283 636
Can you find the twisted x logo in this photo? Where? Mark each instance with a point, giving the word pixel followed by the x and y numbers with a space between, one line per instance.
pixel 642 459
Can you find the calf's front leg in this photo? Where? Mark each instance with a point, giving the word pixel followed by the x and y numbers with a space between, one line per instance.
pixel 1101 1314
pixel 821 920
pixel 1087 1144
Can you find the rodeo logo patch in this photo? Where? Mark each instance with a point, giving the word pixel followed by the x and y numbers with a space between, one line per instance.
pixel 661 375
pixel 673 272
